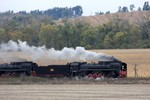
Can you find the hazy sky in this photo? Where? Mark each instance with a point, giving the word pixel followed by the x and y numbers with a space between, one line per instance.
pixel 89 6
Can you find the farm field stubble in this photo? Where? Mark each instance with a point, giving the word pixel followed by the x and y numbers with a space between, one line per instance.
pixel 75 92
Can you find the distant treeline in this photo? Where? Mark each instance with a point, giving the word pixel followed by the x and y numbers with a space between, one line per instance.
pixel 54 13
pixel 146 7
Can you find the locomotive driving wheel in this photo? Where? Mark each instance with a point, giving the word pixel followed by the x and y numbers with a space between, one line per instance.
pixel 113 74
pixel 95 75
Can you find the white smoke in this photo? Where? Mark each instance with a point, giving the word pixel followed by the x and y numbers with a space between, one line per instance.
pixel 49 55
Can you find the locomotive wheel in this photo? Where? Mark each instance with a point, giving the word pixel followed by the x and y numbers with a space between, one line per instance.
pixel 90 76
pixel 23 74
pixel 99 75
pixel 95 75
pixel 113 74
pixel 0 74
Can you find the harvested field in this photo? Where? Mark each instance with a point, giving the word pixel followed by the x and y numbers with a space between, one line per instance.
pixel 75 92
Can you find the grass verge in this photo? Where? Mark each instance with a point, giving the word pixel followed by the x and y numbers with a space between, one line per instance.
pixel 41 80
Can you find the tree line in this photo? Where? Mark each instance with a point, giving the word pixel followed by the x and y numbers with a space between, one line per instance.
pixel 55 13
pixel 146 7
pixel 43 30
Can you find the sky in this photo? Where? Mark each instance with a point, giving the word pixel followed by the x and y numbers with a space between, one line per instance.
pixel 89 6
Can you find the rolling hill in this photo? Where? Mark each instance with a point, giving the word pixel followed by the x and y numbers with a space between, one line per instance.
pixel 135 17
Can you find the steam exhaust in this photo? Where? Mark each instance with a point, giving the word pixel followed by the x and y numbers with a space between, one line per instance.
pixel 21 51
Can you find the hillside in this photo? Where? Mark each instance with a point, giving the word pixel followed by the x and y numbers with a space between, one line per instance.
pixel 133 17
pixel 124 30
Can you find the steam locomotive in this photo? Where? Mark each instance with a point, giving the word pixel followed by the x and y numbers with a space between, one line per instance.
pixel 112 69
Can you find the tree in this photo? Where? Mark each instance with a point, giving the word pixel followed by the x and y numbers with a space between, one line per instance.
pixel 65 12
pixel 144 26
pixel 125 9
pixel 3 37
pixel 119 33
pixel 48 35
pixel 120 39
pixel 122 9
pixel 146 6
pixel 99 13
pixel 30 35
pixel 134 37
pixel 132 7
pixel 108 12
pixel 145 30
pixel 17 35
pixel 108 40
pixel 139 9
pixel 119 9
pixel 79 29
pixel 89 38
pixel 77 11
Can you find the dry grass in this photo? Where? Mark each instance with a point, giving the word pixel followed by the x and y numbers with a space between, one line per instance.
pixel 75 92
pixel 135 17
pixel 140 57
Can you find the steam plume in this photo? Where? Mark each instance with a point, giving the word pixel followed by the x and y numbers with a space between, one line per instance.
pixel 50 55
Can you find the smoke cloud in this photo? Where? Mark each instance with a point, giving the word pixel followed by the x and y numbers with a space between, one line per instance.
pixel 19 49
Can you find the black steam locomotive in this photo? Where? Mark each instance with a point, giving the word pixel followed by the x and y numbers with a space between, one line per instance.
pixel 81 69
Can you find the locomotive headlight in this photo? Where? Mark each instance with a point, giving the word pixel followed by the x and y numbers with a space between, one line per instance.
pixel 123 67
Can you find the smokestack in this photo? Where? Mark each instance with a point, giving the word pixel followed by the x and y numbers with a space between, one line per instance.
pixel 38 54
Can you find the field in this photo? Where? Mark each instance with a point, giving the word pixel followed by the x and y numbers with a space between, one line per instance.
pixel 133 17
pixel 75 92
